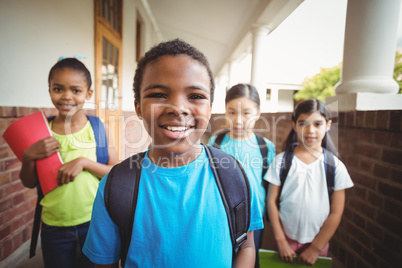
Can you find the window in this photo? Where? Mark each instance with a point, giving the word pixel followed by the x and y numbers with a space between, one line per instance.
pixel 108 64
pixel 110 74
pixel 111 12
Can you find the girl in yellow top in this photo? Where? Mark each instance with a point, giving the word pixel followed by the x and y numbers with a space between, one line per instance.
pixel 67 209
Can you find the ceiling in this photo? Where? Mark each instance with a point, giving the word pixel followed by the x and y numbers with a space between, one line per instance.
pixel 218 28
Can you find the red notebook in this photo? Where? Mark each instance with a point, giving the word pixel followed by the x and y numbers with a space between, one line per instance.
pixel 24 132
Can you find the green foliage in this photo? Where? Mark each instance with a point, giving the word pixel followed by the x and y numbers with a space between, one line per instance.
pixel 398 70
pixel 322 84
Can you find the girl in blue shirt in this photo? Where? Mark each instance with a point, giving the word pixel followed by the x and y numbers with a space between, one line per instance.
pixel 242 112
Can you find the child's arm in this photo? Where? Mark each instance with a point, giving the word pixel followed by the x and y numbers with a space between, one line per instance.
pixel 39 150
pixel 310 254
pixel 285 251
pixel 246 254
pixel 70 170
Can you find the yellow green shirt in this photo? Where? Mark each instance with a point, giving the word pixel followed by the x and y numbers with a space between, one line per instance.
pixel 71 203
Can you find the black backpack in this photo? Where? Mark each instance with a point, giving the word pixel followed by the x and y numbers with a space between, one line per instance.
pixel 264 152
pixel 102 156
pixel 329 164
pixel 121 192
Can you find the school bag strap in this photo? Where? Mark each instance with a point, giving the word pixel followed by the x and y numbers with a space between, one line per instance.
pixel 264 152
pixel 329 165
pixel 285 166
pixel 235 191
pixel 329 160
pixel 36 222
pixel 102 152
pixel 219 138
pixel 123 182
pixel 102 156
pixel 263 146
pixel 121 192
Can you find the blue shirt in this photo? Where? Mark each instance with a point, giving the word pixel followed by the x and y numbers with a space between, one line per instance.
pixel 180 221
pixel 249 155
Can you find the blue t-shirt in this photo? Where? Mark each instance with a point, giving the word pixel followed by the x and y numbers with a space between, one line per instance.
pixel 249 155
pixel 180 221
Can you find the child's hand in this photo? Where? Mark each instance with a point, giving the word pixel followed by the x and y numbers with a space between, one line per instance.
pixel 285 251
pixel 41 149
pixel 308 256
pixel 70 170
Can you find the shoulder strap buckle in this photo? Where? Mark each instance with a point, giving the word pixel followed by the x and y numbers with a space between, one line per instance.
pixel 240 240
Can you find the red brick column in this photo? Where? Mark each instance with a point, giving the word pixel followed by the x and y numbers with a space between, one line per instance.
pixel 370 144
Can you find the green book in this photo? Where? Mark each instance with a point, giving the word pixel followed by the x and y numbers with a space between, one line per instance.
pixel 270 258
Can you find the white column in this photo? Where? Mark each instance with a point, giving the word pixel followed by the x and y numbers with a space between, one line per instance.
pixel 221 84
pixel 230 74
pixel 369 55
pixel 258 78
pixel 274 100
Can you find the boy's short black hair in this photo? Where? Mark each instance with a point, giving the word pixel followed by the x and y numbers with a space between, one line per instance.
pixel 74 64
pixel 173 48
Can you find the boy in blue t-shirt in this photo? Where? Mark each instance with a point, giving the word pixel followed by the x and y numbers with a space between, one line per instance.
pixel 180 219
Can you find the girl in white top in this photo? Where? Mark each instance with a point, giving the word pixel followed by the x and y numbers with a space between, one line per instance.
pixel 306 218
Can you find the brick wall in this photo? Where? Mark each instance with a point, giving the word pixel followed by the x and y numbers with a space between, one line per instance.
pixel 370 144
pixel 17 203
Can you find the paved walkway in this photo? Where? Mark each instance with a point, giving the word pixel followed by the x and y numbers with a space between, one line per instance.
pixel 35 262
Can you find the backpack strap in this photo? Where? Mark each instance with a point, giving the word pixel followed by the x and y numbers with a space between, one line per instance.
pixel 123 182
pixel 50 118
pixel 121 187
pixel 329 161
pixel 219 138
pixel 102 156
pixel 329 165
pixel 102 153
pixel 36 222
pixel 234 188
pixel 285 167
pixel 263 146
pixel 264 152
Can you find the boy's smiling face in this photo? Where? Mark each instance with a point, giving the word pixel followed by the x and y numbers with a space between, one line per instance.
pixel 175 105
